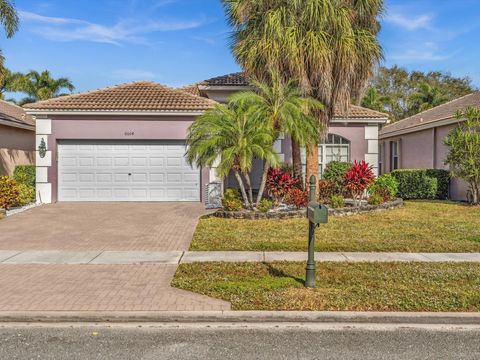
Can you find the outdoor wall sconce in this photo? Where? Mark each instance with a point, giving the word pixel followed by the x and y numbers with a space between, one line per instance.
pixel 42 148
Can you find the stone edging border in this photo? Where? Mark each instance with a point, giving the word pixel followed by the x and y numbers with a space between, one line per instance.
pixel 291 214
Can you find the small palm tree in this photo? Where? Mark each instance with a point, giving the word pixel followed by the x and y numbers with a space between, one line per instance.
pixel 42 86
pixel 281 105
pixel 9 82
pixel 373 100
pixel 426 97
pixel 231 135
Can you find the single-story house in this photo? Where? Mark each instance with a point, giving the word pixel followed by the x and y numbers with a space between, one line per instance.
pixel 127 143
pixel 17 138
pixel 417 142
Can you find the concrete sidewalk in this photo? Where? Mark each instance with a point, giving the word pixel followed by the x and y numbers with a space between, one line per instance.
pixel 55 257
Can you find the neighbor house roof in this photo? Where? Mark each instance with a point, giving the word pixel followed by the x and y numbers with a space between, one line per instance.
pixel 141 96
pixel 240 80
pixel 14 115
pixel 431 117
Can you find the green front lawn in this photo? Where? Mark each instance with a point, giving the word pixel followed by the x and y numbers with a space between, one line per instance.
pixel 420 226
pixel 340 286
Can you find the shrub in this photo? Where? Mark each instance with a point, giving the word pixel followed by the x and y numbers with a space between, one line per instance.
pixel 265 205
pixel 279 183
pixel 297 197
pixel 326 189
pixel 443 182
pixel 26 195
pixel 8 192
pixel 415 184
pixel 358 179
pixel 25 174
pixel 376 199
pixel 336 171
pixel 337 201
pixel 386 186
pixel 231 200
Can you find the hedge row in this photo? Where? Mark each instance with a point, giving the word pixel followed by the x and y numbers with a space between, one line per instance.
pixel 25 174
pixel 422 184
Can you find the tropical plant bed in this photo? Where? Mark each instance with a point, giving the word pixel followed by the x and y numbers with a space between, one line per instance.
pixel 419 226
pixel 340 286
pixel 287 213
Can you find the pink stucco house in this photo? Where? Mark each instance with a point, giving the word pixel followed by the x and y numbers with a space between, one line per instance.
pixel 417 142
pixel 17 138
pixel 127 143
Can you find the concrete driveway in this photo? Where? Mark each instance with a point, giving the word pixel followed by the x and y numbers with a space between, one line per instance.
pixel 102 226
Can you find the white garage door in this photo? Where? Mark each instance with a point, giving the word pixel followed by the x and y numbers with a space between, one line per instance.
pixel 125 171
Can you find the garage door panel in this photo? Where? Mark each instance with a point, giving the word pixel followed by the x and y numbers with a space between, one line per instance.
pixel 130 171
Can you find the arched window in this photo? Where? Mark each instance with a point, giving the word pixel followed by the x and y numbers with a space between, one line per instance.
pixel 333 148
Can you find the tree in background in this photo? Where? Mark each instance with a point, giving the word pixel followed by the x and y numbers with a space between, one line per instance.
pixel 10 22
pixel 401 93
pixel 330 46
pixel 464 154
pixel 9 82
pixel 426 97
pixel 42 86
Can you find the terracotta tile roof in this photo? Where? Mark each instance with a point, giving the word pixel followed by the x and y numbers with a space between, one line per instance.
pixel 234 79
pixel 137 96
pixel 239 79
pixel 441 112
pixel 191 89
pixel 15 114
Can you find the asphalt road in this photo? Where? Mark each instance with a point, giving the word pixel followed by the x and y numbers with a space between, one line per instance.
pixel 223 341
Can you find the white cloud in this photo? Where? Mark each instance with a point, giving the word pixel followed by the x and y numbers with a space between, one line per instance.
pixel 427 51
pixel 409 22
pixel 125 31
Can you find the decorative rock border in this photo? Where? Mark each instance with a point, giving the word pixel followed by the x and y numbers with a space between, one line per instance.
pixel 292 214
pixel 3 213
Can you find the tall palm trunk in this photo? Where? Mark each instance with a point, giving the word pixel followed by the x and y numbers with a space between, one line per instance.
pixel 266 167
pixel 242 188
pixel 297 160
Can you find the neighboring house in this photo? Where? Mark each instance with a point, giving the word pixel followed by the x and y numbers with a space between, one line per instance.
pixel 417 142
pixel 127 143
pixel 17 138
pixel 352 136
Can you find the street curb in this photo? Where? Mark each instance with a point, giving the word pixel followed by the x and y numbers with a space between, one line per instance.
pixel 241 317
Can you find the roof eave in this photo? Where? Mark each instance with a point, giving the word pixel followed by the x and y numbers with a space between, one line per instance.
pixel 420 127
pixel 360 120
pixel 35 112
pixel 17 125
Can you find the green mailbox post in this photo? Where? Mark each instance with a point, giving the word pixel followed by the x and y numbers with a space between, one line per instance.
pixel 317 214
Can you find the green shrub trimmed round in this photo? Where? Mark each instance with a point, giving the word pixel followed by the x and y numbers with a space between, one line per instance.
pixel 335 171
pixel 376 199
pixel 385 186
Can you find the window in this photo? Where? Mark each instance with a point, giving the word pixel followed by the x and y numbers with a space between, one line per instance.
pixel 393 155
pixel 333 148
pixel 380 158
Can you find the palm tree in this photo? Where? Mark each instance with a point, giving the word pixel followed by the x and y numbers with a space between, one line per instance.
pixel 330 46
pixel 281 105
pixel 230 135
pixel 9 20
pixel 9 82
pixel 374 101
pixel 426 97
pixel 42 86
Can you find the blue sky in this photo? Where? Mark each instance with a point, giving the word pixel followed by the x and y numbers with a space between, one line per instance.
pixel 177 42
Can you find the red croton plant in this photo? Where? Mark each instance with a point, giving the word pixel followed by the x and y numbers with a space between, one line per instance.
pixel 280 183
pixel 357 179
